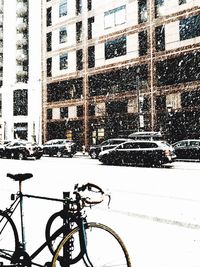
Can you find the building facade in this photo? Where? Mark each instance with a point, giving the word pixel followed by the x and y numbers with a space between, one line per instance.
pixel 116 68
pixel 20 70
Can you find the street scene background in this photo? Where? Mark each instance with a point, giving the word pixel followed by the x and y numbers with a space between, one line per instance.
pixel 154 210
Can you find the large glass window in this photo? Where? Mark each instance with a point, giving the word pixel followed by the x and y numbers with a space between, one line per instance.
pixel 79 59
pixel 20 102
pixel 49 67
pixel 142 43
pixel 142 11
pixel 63 8
pixel 49 41
pixel 48 17
pixel 189 27
pixel 78 31
pixel 115 48
pixel 91 56
pixel 115 17
pixel 90 22
pixel 63 35
pixel 160 38
pixel 63 61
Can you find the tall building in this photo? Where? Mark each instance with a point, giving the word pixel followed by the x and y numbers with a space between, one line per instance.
pixel 112 68
pixel 20 69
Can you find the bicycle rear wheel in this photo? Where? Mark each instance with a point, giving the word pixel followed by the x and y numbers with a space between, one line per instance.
pixel 104 248
pixel 9 239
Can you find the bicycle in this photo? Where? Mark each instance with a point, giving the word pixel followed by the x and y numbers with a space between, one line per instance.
pixel 69 237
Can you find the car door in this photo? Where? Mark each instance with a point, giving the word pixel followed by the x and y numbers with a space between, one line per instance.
pixel 181 150
pixel 193 149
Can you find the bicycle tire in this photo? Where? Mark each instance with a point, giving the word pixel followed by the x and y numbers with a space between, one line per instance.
pixel 104 248
pixel 9 239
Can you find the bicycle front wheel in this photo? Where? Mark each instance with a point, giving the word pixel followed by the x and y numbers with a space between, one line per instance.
pixel 104 248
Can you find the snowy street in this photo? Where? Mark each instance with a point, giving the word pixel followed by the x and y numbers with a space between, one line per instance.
pixel 156 211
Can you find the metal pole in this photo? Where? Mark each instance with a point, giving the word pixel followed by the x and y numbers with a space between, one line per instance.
pixel 22 217
pixel 66 223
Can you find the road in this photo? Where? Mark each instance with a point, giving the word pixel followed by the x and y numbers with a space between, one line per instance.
pixel 156 211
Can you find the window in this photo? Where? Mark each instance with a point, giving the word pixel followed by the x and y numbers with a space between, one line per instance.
pixel 63 8
pixel 142 11
pixel 49 67
pixel 182 2
pixel 64 112
pixel 48 17
pixel 78 31
pixel 89 5
pixel 49 114
pixel 160 38
pixel 115 48
pixel 79 111
pixel 63 35
pixel 90 21
pixel 49 41
pixel 189 27
pixel 158 7
pixel 142 36
pixel 91 56
pixel 78 7
pixel 20 102
pixel 115 17
pixel 0 105
pixel 63 61
pixel 79 59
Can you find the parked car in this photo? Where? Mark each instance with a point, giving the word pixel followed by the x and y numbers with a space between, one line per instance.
pixel 139 152
pixel 110 143
pixel 187 149
pixel 3 144
pixel 21 149
pixel 59 148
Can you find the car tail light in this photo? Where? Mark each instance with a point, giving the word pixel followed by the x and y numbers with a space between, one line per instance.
pixel 168 152
pixel 68 147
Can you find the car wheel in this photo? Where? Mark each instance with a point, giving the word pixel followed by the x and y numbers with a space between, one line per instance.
pixel 20 156
pixel 59 154
pixel 93 155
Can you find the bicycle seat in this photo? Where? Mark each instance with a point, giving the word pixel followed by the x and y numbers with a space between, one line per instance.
pixel 20 176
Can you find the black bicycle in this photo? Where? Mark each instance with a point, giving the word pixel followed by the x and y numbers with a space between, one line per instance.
pixel 70 238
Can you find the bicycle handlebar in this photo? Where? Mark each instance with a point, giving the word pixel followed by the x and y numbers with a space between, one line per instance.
pixel 92 188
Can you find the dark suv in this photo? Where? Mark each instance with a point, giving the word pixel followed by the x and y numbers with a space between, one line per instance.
pixel 21 149
pixel 187 149
pixel 59 148
pixel 110 143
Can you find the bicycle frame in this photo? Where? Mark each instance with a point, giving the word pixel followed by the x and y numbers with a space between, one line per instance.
pixel 77 218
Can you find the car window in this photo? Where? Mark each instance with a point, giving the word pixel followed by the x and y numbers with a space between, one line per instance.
pixel 181 144
pixel 60 142
pixel 105 143
pixel 148 145
pixel 194 143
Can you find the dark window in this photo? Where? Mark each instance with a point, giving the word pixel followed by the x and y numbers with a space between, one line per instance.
pixel 60 91
pixel 118 81
pixel 48 18
pixel 160 38
pixel 64 112
pixel 90 21
pixel 114 107
pixel 63 35
pixel 49 114
pixel 142 11
pixel 190 99
pixel 20 102
pixel 49 41
pixel 49 67
pixel 79 111
pixel 63 8
pixel 89 4
pixel 158 4
pixel 115 48
pixel 160 102
pixel 91 110
pixel 79 59
pixel 78 7
pixel 184 68
pixel 78 31
pixel 0 105
pixel 63 61
pixel 142 43
pixel 91 56
pixel 182 2
pixel 189 27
